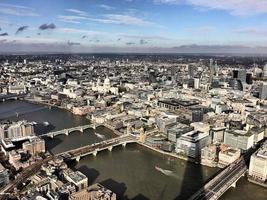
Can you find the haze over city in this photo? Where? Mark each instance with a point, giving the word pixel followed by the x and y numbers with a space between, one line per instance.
pixel 150 26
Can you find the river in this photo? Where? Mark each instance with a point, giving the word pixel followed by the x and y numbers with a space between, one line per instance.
pixel 129 171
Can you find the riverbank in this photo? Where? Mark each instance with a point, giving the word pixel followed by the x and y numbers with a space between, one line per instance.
pixel 174 155
pixel 45 103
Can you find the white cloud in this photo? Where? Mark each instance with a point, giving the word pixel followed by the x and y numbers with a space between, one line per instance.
pixel 79 31
pixel 123 19
pixel 203 29
pixel 108 19
pixel 251 31
pixel 106 7
pixel 17 10
pixel 235 7
pixel 78 12
pixel 71 18
pixel 146 37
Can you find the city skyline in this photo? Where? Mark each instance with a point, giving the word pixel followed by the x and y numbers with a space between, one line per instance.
pixel 156 26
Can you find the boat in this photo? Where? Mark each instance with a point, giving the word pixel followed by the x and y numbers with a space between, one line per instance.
pixel 164 171
pixel 46 123
pixel 99 135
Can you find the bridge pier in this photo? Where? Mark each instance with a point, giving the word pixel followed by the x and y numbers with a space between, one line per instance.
pixel 81 130
pixel 51 136
pixel 234 184
pixel 67 132
pixel 3 100
pixel 95 152
pixel 110 148
pixel 78 158
pixel 94 126
pixel 124 144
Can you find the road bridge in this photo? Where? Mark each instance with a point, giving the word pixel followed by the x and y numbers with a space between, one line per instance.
pixel 77 154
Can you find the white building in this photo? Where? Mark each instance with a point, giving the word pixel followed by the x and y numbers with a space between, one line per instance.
pixel 258 164
pixel 228 156
pixel 191 143
pixel 105 87
pixel 239 139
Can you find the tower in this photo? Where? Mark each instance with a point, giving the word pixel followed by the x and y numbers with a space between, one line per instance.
pixel 211 70
pixel 265 70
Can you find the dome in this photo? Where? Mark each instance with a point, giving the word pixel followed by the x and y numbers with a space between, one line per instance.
pixel 107 81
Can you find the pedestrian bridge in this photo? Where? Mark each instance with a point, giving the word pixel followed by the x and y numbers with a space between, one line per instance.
pixel 77 154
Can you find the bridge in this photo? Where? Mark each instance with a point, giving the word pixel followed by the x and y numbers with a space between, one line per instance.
pixel 67 131
pixel 11 96
pixel 93 149
pixel 75 154
pixel 215 188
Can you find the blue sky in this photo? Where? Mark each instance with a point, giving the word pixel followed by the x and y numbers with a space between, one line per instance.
pixel 136 24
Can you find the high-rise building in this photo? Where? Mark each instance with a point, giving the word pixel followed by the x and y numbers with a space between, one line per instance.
pixel 249 78
pixel 242 75
pixel 265 70
pixel 263 91
pixel 211 70
pixel 190 71
pixel 235 73
pixel 174 73
pixel 216 68
pixel 196 83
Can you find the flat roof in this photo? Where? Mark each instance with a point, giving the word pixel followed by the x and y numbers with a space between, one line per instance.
pixel 180 102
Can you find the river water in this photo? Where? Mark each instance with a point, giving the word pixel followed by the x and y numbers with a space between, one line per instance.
pixel 129 171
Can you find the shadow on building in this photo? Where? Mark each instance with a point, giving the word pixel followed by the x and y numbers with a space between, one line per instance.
pixel 120 190
pixel 91 173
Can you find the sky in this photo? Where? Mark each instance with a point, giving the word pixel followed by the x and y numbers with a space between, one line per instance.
pixel 133 26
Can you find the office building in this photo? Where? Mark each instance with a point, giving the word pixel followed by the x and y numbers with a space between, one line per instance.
pixel 242 75
pixel 177 130
pixel 94 192
pixel 265 70
pixel 212 70
pixel 249 78
pixel 16 130
pixel 217 134
pixel 191 143
pixel 258 164
pixel 263 91
pixel 228 156
pixel 34 146
pixel 77 178
pixel 209 155
pixel 239 139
